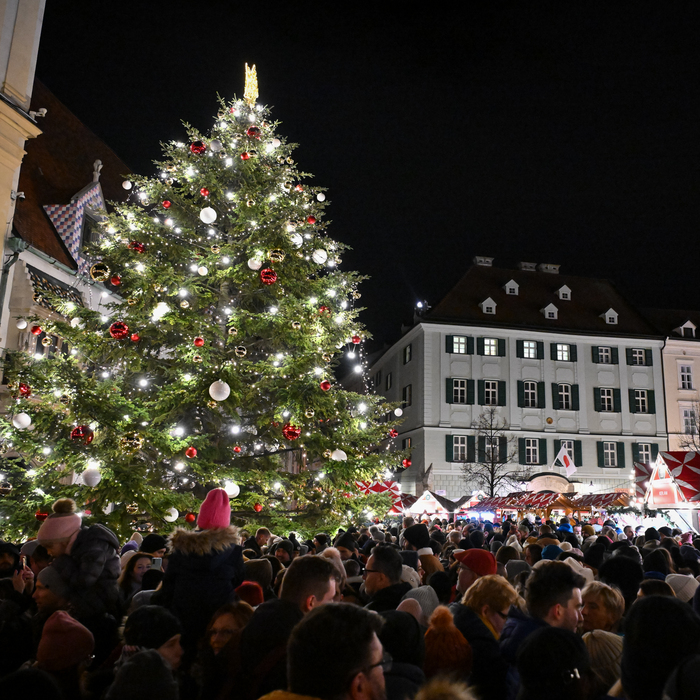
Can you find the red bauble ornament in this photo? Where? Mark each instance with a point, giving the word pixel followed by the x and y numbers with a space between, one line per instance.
pixel 257 507
pixel 204 192
pixel 406 463
pixel 191 452
pixel 311 219
pixel 198 147
pixel 356 339
pixel 115 280
pixel 36 330
pixel 253 132
pixel 199 341
pixel 137 247
pixel 291 432
pixel 135 337
pixel 41 516
pixel 268 276
pixel 393 433
pixel 299 188
pixel 167 204
pixel 119 330
pixel 190 518
pixel 245 156
pixel 324 310
pixel 325 385
pixel 82 433
pixel 25 390
pixel 237 449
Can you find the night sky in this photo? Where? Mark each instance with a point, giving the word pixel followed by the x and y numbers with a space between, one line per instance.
pixel 554 132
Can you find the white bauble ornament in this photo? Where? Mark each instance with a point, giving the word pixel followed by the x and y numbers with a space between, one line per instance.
pixel 77 322
pixel 203 270
pixel 339 456
pixel 321 197
pixel 276 143
pixel 208 215
pixel 127 184
pixel 91 477
pixel 172 516
pixel 296 239
pixel 21 421
pixel 319 256
pixel 232 490
pixel 216 145
pixel 398 412
pixel 254 264
pixel 21 323
pixel 219 391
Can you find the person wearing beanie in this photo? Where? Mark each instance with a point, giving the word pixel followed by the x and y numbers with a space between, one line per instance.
pixel 417 539
pixel 130 546
pixel 260 571
pixel 605 652
pixel 251 592
pixel 447 652
pixel 683 586
pixel 144 675
pixel 427 599
pixel 473 563
pixel 402 638
pixel 9 559
pixel 155 545
pixel 204 568
pixel 284 552
pixel 52 592
pixel 153 627
pixel 346 544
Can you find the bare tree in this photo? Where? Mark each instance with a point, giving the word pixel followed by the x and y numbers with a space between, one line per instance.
pixel 489 458
pixel 689 439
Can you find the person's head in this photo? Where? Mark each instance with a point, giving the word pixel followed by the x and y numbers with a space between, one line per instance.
pixel 605 652
pixel 657 560
pixel 60 529
pixel 321 540
pixel 226 621
pixel 533 553
pixel 652 586
pixel 490 597
pixel 407 522
pixel 346 545
pixel 260 571
pixel 153 627
pixel 9 559
pixel 284 552
pixel 554 595
pixel 346 638
pixel 623 573
pixel 65 644
pixel 262 536
pixel 51 591
pixel 628 532
pixel 473 563
pixel 505 554
pixel 352 568
pixel 603 607
pixel 134 570
pixel 154 544
pixel 417 537
pixel 384 568
pixel 144 675
pixel 309 582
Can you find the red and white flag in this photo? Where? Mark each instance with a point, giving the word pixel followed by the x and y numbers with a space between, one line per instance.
pixel 564 458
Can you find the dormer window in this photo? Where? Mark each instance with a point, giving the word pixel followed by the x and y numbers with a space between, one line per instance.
pixel 687 330
pixel 512 288
pixel 550 312
pixel 564 293
pixel 488 306
pixel 610 316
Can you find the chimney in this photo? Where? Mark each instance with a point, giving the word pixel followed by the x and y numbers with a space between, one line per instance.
pixel 483 261
pixel 528 267
pixel 549 268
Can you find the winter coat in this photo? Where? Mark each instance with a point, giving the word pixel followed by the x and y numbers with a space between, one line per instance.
pixel 251 543
pixel 403 681
pixel 388 598
pixel 204 568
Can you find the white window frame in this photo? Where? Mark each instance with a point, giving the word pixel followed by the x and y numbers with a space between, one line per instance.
pixel 530 349
pixel 610 454
pixel 563 352
pixel 491 449
pixel 491 347
pixel 568 445
pixel 459 391
pixel 529 394
pixel 641 401
pixel 638 357
pixel 490 392
pixel 607 400
pixel 459 344
pixel 605 355
pixel 407 395
pixel 689 421
pixel 459 448
pixel 388 381
pixel 644 452
pixel 407 354
pixel 532 451
pixel 685 373
pixel 565 397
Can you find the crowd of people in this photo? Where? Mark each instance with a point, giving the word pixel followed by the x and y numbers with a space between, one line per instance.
pixel 431 610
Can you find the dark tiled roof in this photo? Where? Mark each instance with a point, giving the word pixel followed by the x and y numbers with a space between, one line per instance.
pixel 666 320
pixel 46 287
pixel 582 314
pixel 58 165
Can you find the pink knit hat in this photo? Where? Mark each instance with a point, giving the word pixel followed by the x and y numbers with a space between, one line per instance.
pixel 64 643
pixel 215 511
pixel 62 524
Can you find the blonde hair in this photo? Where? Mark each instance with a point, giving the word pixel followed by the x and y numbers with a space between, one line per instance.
pixel 492 590
pixel 610 597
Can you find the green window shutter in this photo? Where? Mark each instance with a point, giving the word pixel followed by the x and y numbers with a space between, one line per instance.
pixel 543 451
pixel 501 393
pixel 595 354
pixel 470 392
pixel 471 448
pixel 601 454
pixel 449 448
pixel 449 391
pixel 635 452
pixel 628 354
pixel 557 447
pixel 597 405
pixel 632 401
pixel 521 394
pixel 615 356
pixel 519 348
pixel 654 451
pixel 449 343
pixel 521 450
pixel 574 397
pixel 540 395
pixel 648 358
pixel 621 455
pixel 555 396
pixel 501 347
pixel 470 345
pixel 553 351
pixel 573 354
pixel 502 448
pixel 578 456
pixel 480 392
pixel 481 449
pixel 540 350
pixel 479 346
pixel 617 401
pixel 651 401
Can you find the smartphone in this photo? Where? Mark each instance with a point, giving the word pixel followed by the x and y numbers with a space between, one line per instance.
pixel 157 563
pixel 23 561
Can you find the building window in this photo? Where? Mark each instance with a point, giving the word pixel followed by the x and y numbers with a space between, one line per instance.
pixel 641 401
pixel 407 395
pixel 688 331
pixel 407 354
pixel 690 423
pixel 638 356
pixel 605 356
pixel 490 393
pixel 568 445
pixel 489 309
pixel 609 454
pixel 388 381
pixel 459 391
pixel 551 314
pixel 406 444
pixel 459 448
pixel 511 290
pixel 491 449
pixel 686 376
pixel 378 379
pixel 459 344
pixel 490 346
pixel 530 394
pixel 607 401
pixel 532 451
pixel 530 349
pixel 644 452
pixel 563 352
pixel 565 402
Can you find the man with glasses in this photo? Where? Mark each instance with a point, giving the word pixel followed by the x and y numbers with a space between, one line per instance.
pixel 382 577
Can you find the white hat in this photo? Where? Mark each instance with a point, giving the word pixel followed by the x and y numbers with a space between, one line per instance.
pixel 683 586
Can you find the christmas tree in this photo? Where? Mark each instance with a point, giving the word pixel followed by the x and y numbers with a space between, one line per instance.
pixel 214 364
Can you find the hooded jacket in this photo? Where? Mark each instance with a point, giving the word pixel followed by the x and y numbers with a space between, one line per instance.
pixel 388 598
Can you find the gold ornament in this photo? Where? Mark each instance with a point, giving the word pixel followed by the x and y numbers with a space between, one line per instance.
pixel 232 331
pixel 65 399
pixel 212 404
pixel 215 249
pixel 296 325
pixel 280 159
pixel 250 203
pixel 99 272
pixel 250 93
pixel 327 454
pixel 158 288
pixel 290 160
pixel 356 295
pixel 46 341
pixel 5 488
pixel 252 153
pixel 197 358
pixel 309 412
pixel 184 304
pixel 132 509
pixel 131 301
pixel 240 351
pixel 277 255
pixel 131 442
pixel 327 357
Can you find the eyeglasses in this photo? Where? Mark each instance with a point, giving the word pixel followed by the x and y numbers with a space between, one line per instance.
pixel 385 663
pixel 371 571
pixel 503 616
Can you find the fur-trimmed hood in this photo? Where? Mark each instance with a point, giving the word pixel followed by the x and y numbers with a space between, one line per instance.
pixel 203 542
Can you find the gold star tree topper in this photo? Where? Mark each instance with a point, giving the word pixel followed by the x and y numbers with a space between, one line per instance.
pixel 250 94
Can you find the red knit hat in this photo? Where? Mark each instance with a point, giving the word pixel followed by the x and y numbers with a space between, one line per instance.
pixel 446 649
pixel 215 511
pixel 64 643
pixel 479 561
pixel 251 592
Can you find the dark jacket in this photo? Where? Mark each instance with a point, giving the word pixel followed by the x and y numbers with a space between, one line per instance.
pixel 403 681
pixel 251 543
pixel 388 598
pixel 489 668
pixel 204 568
